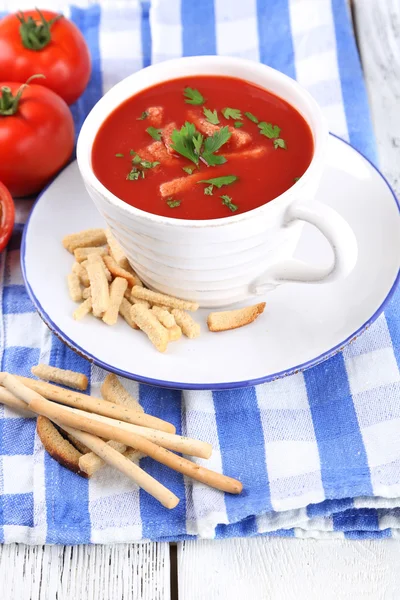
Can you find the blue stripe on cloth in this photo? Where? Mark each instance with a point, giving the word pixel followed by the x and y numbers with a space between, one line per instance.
pixel 341 449
pixel 329 507
pixel 16 300
pixel 17 436
pixel 157 520
pixel 19 360
pixel 275 36
pixel 365 519
pixel 353 87
pixel 392 314
pixel 68 517
pixel 244 461
pixel 88 21
pixel 198 27
pixel 368 535
pixel 146 33
pixel 18 509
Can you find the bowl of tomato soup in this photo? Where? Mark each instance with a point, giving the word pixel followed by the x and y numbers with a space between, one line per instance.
pixel 205 169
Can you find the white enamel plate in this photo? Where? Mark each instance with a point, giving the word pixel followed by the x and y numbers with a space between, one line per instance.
pixel 302 325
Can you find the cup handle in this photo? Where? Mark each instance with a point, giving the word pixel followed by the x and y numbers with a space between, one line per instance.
pixel 339 235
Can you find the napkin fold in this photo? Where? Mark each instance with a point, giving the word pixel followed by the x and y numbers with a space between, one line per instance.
pixel 319 452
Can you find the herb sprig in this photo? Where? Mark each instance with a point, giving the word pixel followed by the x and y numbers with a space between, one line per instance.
pixel 232 113
pixel 211 116
pixel 143 116
pixel 220 181
pixel 154 133
pixel 193 96
pixel 191 144
pixel 139 166
pixel 173 203
pixel 227 200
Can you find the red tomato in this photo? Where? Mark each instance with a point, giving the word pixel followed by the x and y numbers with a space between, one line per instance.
pixel 7 214
pixel 36 136
pixel 44 42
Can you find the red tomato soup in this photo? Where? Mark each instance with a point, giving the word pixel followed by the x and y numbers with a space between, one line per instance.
pixel 202 147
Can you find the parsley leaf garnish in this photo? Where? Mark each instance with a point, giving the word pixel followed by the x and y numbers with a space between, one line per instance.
pixel 136 173
pixel 197 142
pixel 155 133
pixel 173 203
pixel 232 113
pixel 182 142
pixel 119 155
pixel 227 200
pixel 251 117
pixel 214 143
pixel 209 190
pixel 238 124
pixel 211 116
pixel 193 96
pixel 143 116
pixel 280 143
pixel 295 179
pixel 188 170
pixel 192 145
pixel 220 181
pixel 269 130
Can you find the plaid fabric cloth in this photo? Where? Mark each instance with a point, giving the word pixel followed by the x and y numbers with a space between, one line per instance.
pixel 318 452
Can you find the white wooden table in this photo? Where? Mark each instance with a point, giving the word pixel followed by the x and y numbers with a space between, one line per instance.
pixel 277 569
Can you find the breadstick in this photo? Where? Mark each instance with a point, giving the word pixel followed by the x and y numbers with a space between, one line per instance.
pixel 74 287
pixel 9 399
pixel 112 390
pixel 116 251
pixel 128 468
pixel 90 463
pixel 96 405
pixel 125 312
pixel 98 285
pixel 84 239
pixel 162 299
pixel 148 322
pixel 78 381
pixel 167 440
pixel 80 270
pixel 232 319
pixel 139 301
pixel 83 309
pixel 164 316
pixel 117 290
pixel 59 413
pixel 118 271
pixel 174 333
pixel 81 254
pixel 86 293
pixel 189 327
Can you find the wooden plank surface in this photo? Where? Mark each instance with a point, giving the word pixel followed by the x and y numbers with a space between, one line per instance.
pixel 289 569
pixel 377 23
pixel 116 572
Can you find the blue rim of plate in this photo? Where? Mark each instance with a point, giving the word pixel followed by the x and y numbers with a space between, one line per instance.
pixel 205 386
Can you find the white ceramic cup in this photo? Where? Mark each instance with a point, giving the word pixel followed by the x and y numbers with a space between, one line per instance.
pixel 219 262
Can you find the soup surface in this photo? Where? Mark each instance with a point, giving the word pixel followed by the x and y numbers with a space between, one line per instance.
pixel 202 147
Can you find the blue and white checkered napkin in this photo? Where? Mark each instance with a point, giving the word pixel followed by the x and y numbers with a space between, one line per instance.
pixel 318 452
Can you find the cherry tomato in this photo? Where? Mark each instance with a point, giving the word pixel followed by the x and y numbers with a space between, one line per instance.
pixel 44 42
pixel 36 136
pixel 7 215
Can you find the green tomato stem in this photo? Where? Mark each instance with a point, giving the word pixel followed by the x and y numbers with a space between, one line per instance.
pixel 9 103
pixel 35 35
